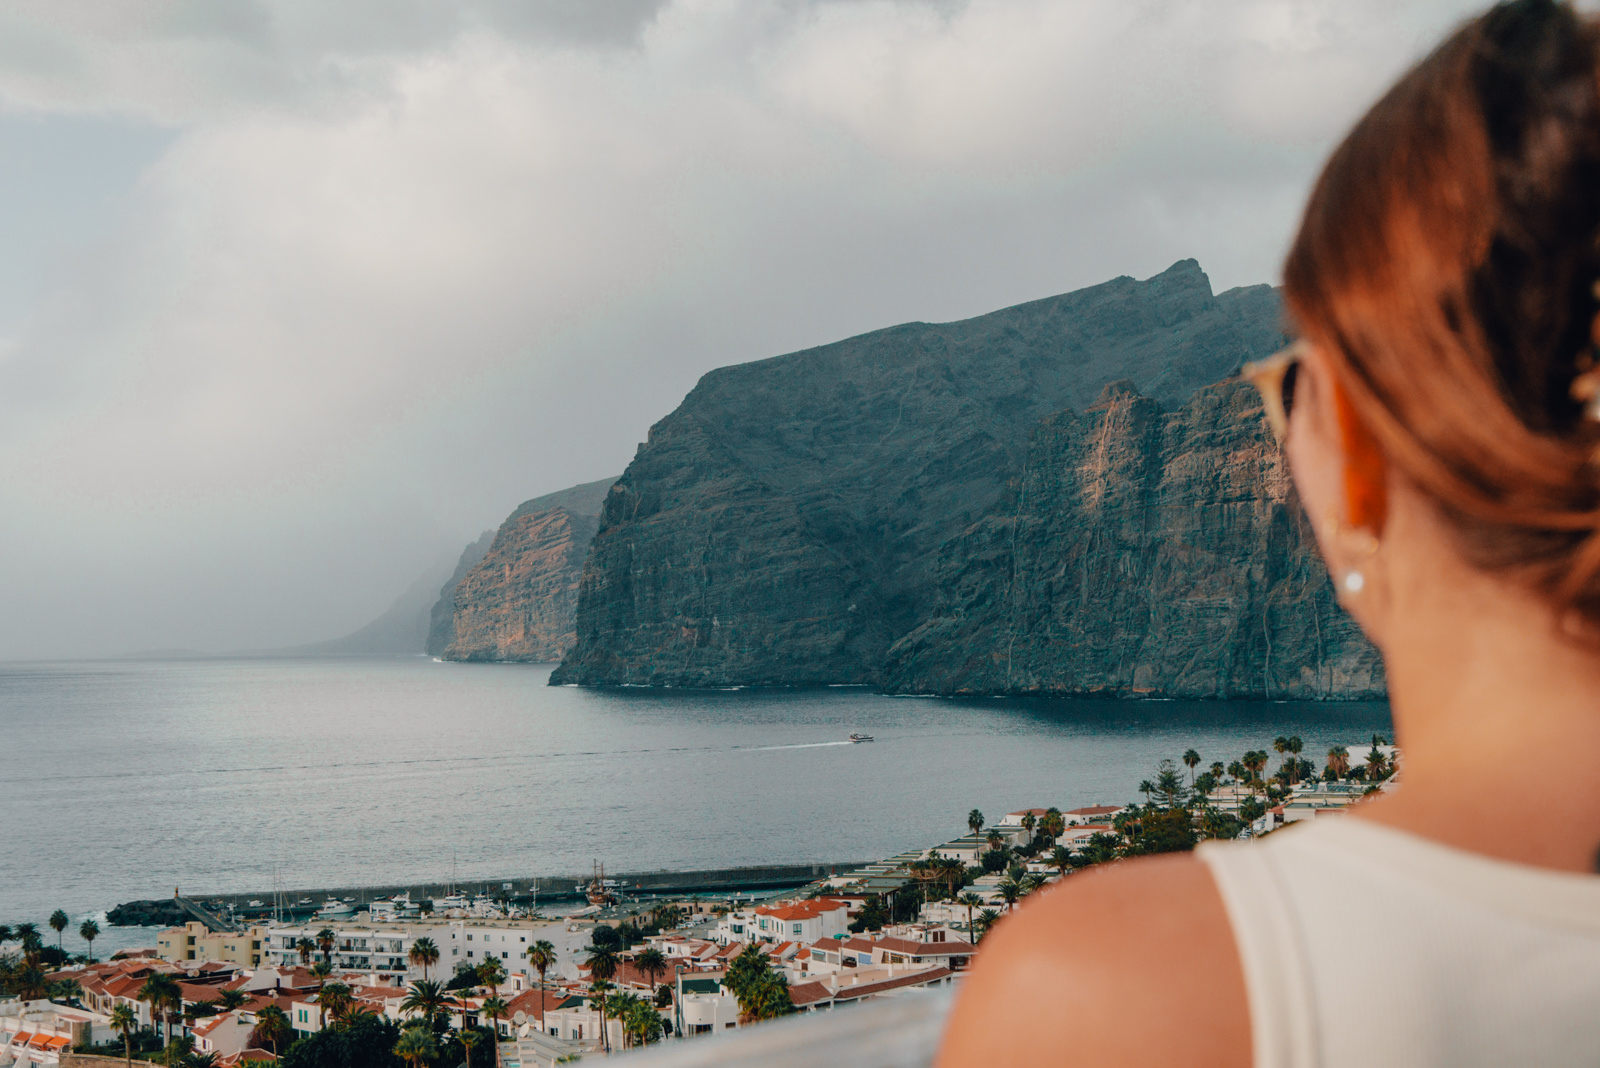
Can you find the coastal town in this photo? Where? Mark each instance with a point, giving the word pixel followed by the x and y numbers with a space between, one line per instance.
pixel 486 983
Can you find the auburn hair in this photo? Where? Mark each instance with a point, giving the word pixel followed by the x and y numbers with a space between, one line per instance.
pixel 1446 266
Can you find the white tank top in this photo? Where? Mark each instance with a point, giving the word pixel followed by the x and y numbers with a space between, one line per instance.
pixel 1363 945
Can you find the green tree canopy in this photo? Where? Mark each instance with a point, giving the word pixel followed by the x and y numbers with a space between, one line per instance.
pixel 368 1043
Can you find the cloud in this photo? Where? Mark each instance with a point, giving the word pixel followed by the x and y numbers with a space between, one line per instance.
pixel 405 264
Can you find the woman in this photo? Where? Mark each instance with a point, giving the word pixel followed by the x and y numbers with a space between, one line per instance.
pixel 1441 414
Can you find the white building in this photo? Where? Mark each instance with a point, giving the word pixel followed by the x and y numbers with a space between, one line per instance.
pixel 795 921
pixel 38 1032
pixel 577 1020
pixel 225 1035
pixel 384 949
pixel 704 1006
pixel 1095 813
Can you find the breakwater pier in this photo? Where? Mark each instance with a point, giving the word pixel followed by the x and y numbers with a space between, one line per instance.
pixel 302 902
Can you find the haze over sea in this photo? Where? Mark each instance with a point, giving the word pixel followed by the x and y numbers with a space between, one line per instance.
pixel 129 778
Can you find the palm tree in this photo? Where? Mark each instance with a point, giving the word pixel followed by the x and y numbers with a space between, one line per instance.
pixel 178 1051
pixel 1254 762
pixel 231 999
pixel 995 839
pixel 469 1037
pixel 426 996
pixel 1191 760
pixel 59 921
pixel 28 937
pixel 494 1008
pixel 424 954
pixel 1147 788
pixel 972 901
pixel 123 1019
pixel 272 1027
pixel 955 873
pixel 5 933
pixel 987 919
pixel 1375 763
pixel 642 1022
pixel 602 961
pixel 351 1013
pixel 161 991
pixel 416 1045
pixel 1061 860
pixel 325 941
pixel 305 947
pixel 543 957
pixel 1217 770
pixel 1339 760
pixel 320 971
pixel 1029 822
pixel 200 1060
pixel 1052 823
pixel 1010 890
pixel 975 822
pixel 332 999
pixel 597 994
pixel 652 962
pixel 491 974
pixel 1295 746
pixel 89 931
pixel 622 1006
pixel 30 982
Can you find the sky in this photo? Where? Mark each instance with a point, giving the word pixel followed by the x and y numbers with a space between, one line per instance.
pixel 298 297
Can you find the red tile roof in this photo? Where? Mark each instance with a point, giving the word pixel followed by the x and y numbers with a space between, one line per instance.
pixel 954 947
pixel 851 993
pixel 803 994
pixel 801 910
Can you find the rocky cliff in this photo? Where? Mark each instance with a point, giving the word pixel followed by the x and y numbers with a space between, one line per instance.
pixel 519 601
pixel 442 616
pixel 793 520
pixel 1143 551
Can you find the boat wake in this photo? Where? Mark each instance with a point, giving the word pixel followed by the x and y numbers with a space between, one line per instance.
pixel 798 745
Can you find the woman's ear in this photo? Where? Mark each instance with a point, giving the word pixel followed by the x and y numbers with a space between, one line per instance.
pixel 1366 491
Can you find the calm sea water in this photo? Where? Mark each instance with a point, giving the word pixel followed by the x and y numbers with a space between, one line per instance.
pixel 127 779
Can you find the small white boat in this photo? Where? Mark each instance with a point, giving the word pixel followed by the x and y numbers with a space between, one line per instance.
pixel 253 903
pixel 334 907
pixel 861 737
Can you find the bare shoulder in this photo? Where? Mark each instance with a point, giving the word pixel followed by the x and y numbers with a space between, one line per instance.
pixel 1133 963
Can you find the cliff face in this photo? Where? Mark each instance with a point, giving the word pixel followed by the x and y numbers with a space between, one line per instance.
pixel 442 617
pixel 1144 551
pixel 785 523
pixel 519 601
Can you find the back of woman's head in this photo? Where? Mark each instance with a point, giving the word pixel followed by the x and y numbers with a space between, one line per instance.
pixel 1447 268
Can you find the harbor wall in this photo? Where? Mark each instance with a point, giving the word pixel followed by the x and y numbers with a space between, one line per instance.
pixel 549 888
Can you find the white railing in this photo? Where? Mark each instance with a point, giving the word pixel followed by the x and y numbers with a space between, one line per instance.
pixel 889 1032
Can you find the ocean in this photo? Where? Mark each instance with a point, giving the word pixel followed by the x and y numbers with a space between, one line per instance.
pixel 129 779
